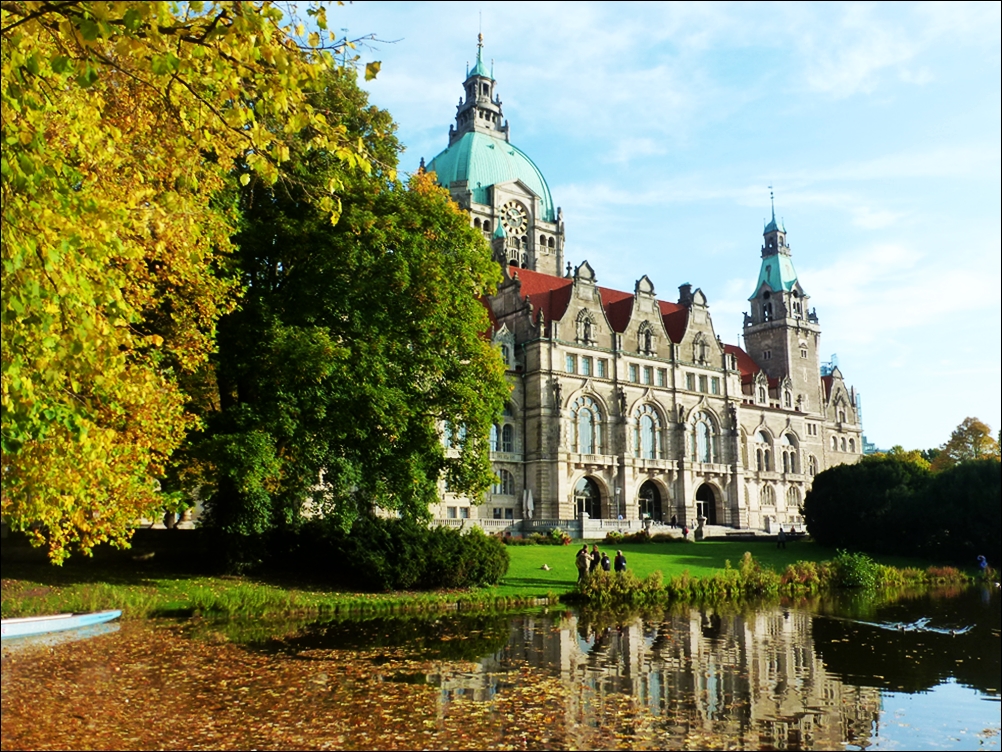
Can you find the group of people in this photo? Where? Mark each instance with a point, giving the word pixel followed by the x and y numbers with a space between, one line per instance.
pixel 588 562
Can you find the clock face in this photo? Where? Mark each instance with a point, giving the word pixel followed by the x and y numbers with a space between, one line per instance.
pixel 514 217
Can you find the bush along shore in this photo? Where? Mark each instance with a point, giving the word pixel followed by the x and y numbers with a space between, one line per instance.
pixel 30 590
pixel 750 578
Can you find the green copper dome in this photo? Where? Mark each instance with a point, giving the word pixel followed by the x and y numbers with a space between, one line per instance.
pixel 777 272
pixel 485 161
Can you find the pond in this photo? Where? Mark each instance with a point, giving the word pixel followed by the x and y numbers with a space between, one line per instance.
pixel 920 672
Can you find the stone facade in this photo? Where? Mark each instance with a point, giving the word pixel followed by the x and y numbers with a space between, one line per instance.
pixel 625 405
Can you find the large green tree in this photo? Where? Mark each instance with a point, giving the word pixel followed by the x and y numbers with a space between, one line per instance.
pixel 869 506
pixel 122 123
pixel 352 345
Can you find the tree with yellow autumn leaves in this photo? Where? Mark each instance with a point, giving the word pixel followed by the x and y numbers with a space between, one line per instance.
pixel 123 124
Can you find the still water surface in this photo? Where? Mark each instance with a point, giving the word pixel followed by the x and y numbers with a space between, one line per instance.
pixel 920 673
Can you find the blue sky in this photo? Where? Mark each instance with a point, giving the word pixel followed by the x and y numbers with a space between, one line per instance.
pixel 660 126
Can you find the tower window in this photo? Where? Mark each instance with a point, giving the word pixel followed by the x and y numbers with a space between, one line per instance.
pixel 803 352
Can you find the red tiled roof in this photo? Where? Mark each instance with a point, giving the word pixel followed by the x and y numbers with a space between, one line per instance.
pixel 544 292
pixel 746 366
pixel 618 307
pixel 675 318
pixel 826 382
pixel 495 324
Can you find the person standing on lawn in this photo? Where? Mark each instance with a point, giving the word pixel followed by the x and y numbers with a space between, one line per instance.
pixel 582 560
pixel 620 564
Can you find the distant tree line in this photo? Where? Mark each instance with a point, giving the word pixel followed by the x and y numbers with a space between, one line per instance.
pixel 899 502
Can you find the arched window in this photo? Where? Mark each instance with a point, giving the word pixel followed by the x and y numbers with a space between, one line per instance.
pixel 790 445
pixel 763 455
pixel 507 438
pixel 788 399
pixel 447 434
pixel 761 394
pixel 812 465
pixel 487 225
pixel 476 223
pixel 504 484
pixel 843 443
pixel 588 426
pixel 768 496
pixel 647 433
pixel 550 242
pixel 542 241
pixel 506 355
pixel 852 445
pixel 705 447
pixel 834 444
pixel 495 438
pixel 793 497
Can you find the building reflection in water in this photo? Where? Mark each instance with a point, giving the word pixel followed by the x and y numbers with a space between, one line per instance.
pixel 753 679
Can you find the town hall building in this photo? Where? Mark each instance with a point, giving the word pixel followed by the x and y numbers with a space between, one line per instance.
pixel 625 404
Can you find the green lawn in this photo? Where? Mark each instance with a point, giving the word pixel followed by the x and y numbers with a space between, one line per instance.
pixel 527 577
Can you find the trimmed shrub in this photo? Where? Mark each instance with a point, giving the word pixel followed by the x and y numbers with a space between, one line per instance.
pixel 855 570
pixel 389 554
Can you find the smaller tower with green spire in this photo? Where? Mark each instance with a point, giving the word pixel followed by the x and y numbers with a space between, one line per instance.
pixel 780 333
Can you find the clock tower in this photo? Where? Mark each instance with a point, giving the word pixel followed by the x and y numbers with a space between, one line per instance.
pixel 503 190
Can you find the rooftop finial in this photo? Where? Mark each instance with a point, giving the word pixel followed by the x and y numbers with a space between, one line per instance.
pixel 772 200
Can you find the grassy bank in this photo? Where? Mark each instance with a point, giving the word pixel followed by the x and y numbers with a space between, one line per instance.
pixel 141 592
pixel 143 589
pixel 526 575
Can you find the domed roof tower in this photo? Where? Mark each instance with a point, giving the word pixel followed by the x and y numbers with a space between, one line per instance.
pixel 497 182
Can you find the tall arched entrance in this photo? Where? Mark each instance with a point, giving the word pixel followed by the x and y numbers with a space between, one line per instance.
pixel 587 498
pixel 649 500
pixel 706 504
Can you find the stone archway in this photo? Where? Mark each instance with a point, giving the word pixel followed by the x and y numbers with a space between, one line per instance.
pixel 649 501
pixel 588 498
pixel 706 504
